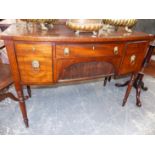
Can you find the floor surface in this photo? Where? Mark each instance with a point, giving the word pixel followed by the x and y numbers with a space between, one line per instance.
pixel 82 109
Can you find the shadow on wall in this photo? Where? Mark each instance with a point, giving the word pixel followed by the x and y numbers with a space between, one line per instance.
pixel 145 25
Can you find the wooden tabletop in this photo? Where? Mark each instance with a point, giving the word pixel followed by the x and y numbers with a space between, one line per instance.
pixel 62 33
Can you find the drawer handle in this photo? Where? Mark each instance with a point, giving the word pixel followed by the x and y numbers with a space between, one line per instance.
pixel 115 50
pixel 93 48
pixel 35 64
pixel 66 51
pixel 33 49
pixel 132 59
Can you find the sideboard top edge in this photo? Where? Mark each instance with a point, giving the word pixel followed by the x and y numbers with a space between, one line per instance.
pixel 60 33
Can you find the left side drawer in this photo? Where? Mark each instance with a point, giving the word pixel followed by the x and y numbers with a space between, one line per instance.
pixel 34 63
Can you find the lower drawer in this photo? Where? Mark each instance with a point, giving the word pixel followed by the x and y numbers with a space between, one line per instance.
pixel 35 70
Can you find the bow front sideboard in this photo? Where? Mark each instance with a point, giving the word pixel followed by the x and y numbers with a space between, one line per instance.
pixel 58 55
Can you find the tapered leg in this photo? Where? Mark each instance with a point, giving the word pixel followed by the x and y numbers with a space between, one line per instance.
pixel 105 81
pixel 129 89
pixel 29 91
pixel 138 85
pixel 109 78
pixel 138 91
pixel 22 103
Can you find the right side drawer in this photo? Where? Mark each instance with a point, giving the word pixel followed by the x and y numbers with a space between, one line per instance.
pixel 134 56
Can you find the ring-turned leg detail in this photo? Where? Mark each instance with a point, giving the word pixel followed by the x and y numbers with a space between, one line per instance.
pixel 138 102
pixel 23 107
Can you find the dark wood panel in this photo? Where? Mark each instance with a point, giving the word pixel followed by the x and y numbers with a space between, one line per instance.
pixel 86 69
pixel 62 65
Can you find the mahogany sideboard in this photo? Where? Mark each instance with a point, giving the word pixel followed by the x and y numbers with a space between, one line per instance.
pixel 58 55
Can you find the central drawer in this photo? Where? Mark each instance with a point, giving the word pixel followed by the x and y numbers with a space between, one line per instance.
pixel 88 50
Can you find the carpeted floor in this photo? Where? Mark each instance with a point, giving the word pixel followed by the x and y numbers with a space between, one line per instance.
pixel 87 108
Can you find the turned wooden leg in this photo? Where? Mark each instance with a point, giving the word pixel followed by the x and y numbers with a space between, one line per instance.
pixel 23 107
pixel 109 78
pixel 138 91
pixel 29 91
pixel 105 81
pixel 22 103
pixel 138 85
pixel 129 89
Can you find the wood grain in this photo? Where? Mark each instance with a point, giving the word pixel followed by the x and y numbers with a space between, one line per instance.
pixel 61 65
pixel 88 50
pixel 33 49
pixel 61 33
pixel 139 50
pixel 40 75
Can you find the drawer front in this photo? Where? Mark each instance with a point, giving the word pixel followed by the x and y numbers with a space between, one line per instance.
pixel 88 50
pixel 134 56
pixel 33 49
pixel 35 70
pixel 137 47
pixel 35 62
